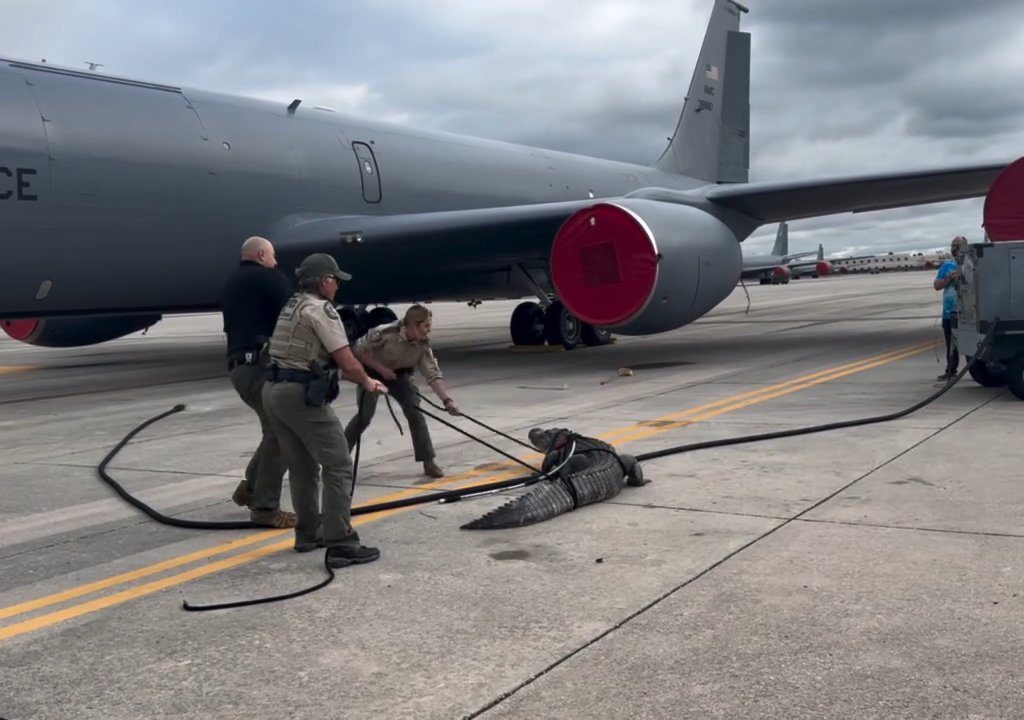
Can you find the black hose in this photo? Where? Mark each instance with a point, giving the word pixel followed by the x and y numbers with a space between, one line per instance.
pixel 263 600
pixel 690 447
pixel 330 571
pixel 159 517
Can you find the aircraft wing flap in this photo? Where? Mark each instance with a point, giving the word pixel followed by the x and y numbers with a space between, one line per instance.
pixel 778 201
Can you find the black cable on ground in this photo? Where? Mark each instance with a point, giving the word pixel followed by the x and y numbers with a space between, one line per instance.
pixel 159 517
pixel 261 601
pixel 330 571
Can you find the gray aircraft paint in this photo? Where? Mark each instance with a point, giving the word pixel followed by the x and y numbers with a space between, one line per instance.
pixel 132 197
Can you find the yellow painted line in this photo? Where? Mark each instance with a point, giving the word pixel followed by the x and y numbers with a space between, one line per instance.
pixel 92 587
pixel 170 564
pixel 15 368
pixel 100 603
pixel 714 409
pixel 613 436
pixel 649 432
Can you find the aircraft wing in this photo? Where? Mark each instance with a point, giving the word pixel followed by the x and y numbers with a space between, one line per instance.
pixel 777 201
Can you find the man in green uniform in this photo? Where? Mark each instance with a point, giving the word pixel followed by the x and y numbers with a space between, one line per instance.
pixel 391 352
pixel 308 335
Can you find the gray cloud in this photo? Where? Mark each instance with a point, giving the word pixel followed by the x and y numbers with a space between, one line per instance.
pixel 837 87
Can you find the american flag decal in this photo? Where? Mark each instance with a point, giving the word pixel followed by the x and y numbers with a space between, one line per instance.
pixel 711 72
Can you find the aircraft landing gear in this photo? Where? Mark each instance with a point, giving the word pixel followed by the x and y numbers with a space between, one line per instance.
pixel 595 337
pixel 380 316
pixel 527 324
pixel 532 324
pixel 355 322
pixel 561 327
pixel 358 321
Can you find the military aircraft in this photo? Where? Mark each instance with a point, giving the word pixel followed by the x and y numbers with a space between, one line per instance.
pixel 780 265
pixel 122 200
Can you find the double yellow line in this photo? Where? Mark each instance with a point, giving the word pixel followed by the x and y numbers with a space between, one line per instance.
pixel 494 473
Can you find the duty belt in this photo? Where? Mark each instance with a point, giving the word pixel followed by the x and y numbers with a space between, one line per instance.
pixel 280 374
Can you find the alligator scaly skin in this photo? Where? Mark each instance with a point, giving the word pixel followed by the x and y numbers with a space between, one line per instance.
pixel 595 472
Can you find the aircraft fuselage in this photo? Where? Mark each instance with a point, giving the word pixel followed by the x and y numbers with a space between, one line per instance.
pixel 112 188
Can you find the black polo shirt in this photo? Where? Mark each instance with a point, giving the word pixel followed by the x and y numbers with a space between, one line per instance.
pixel 251 300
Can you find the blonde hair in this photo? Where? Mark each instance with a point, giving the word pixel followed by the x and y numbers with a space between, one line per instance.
pixel 416 314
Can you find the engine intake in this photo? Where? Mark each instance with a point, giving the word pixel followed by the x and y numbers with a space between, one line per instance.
pixel 639 266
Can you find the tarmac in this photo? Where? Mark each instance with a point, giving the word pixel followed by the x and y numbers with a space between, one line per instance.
pixel 870 572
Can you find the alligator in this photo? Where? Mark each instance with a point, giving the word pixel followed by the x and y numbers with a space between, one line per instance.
pixel 583 470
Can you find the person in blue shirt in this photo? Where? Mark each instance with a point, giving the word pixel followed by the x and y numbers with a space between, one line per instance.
pixel 945 280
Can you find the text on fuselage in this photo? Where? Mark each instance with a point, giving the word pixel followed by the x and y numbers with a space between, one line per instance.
pixel 16 184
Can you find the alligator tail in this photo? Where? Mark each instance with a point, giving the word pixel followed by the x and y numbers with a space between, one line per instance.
pixel 545 500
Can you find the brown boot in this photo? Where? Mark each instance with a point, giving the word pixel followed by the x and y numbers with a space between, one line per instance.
pixel 273 518
pixel 242 496
pixel 432 469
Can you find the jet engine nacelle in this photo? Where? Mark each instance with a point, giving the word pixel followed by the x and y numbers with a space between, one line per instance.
pixel 75 331
pixel 823 267
pixel 638 266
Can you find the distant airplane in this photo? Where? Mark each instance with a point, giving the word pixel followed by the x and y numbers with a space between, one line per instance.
pixel 779 266
pixel 122 200
pixel 890 262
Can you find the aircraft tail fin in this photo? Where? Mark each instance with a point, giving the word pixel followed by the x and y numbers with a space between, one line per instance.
pixel 711 141
pixel 821 252
pixel 781 248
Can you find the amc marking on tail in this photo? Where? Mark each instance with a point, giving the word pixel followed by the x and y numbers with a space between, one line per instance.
pixel 14 183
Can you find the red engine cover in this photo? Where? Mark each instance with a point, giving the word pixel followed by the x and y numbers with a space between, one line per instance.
pixel 823 268
pixel 19 329
pixel 781 271
pixel 604 264
pixel 1004 205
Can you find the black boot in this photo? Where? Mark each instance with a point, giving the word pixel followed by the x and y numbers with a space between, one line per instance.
pixel 341 556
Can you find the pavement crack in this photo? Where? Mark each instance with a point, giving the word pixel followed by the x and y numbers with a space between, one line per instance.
pixel 915 528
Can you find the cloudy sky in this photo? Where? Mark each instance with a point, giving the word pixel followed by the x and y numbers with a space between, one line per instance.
pixel 838 86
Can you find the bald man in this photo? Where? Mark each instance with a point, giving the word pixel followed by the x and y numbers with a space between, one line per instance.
pixel 251 300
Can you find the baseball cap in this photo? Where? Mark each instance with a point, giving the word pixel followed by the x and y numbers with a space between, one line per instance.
pixel 320 265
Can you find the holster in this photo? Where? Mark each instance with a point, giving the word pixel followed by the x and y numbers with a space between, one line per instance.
pixel 323 387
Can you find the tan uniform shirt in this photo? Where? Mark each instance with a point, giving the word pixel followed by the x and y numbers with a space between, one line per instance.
pixel 308 329
pixel 388 345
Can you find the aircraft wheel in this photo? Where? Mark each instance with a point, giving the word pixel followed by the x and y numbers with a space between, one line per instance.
pixel 1015 376
pixel 561 327
pixel 380 316
pixel 987 375
pixel 527 324
pixel 354 322
pixel 594 337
